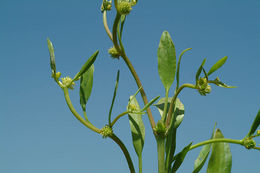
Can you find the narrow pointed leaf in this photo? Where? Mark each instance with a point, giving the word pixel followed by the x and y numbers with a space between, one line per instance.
pixel 137 127
pixel 86 66
pixel 178 67
pixel 218 64
pixel 200 69
pixel 221 84
pixel 221 159
pixel 166 60
pixel 179 158
pixel 114 97
pixel 203 155
pixel 255 124
pixel 150 103
pixel 86 83
pixel 52 56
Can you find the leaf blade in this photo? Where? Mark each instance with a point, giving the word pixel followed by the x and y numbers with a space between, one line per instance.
pixel 52 56
pixel 255 124
pixel 166 60
pixel 217 65
pixel 221 159
pixel 200 70
pixel 137 128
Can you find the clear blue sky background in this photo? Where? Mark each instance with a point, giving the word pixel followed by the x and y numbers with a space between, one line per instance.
pixel 39 134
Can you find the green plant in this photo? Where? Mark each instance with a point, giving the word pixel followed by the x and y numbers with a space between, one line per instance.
pixel 171 109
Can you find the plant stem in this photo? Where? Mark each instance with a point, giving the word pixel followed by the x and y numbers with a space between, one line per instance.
pixel 165 105
pixel 125 151
pixel 140 164
pixel 170 111
pixel 106 26
pixel 119 116
pixel 240 142
pixel 161 151
pixel 75 113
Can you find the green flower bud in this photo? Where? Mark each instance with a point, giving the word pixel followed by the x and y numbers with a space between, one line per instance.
pixel 160 128
pixel 113 52
pixel 107 5
pixel 67 82
pixel 203 86
pixel 249 143
pixel 124 7
pixel 106 131
pixel 57 75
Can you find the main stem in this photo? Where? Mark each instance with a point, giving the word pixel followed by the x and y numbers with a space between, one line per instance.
pixel 125 151
pixel 161 156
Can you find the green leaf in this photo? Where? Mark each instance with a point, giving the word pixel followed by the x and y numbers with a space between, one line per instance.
pixel 203 155
pixel 178 67
pixel 218 64
pixel 86 83
pixel 221 84
pixel 221 159
pixel 179 158
pixel 149 104
pixel 114 96
pixel 52 56
pixel 255 124
pixel 199 70
pixel 86 66
pixel 137 127
pixel 166 60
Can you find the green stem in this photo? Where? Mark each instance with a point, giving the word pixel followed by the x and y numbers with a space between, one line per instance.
pixel 119 116
pixel 140 164
pixel 106 26
pixel 161 151
pixel 125 151
pixel 233 141
pixel 170 111
pixel 165 105
pixel 75 113
pixel 115 26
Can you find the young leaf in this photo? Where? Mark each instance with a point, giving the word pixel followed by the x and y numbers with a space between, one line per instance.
pixel 255 124
pixel 86 66
pixel 203 155
pixel 114 96
pixel 221 84
pixel 86 83
pixel 52 56
pixel 221 159
pixel 166 60
pixel 137 127
pixel 218 64
pixel 178 67
pixel 200 69
pixel 179 158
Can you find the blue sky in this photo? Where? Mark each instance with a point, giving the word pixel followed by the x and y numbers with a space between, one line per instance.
pixel 39 134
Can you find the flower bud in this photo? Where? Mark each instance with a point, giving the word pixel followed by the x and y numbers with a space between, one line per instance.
pixel 113 52
pixel 57 75
pixel 67 82
pixel 249 143
pixel 203 86
pixel 160 128
pixel 106 131
pixel 107 5
pixel 124 7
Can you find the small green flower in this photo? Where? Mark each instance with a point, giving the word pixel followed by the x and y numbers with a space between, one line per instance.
pixel 124 7
pixel 67 82
pixel 57 75
pixel 203 86
pixel 160 128
pixel 106 131
pixel 113 52
pixel 106 5
pixel 249 143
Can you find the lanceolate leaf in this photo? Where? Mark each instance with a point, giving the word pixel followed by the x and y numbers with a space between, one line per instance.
pixel 218 64
pixel 137 127
pixel 221 159
pixel 166 60
pixel 52 56
pixel 178 67
pixel 203 155
pixel 86 66
pixel 221 84
pixel 86 83
pixel 255 124
pixel 179 158
pixel 200 69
